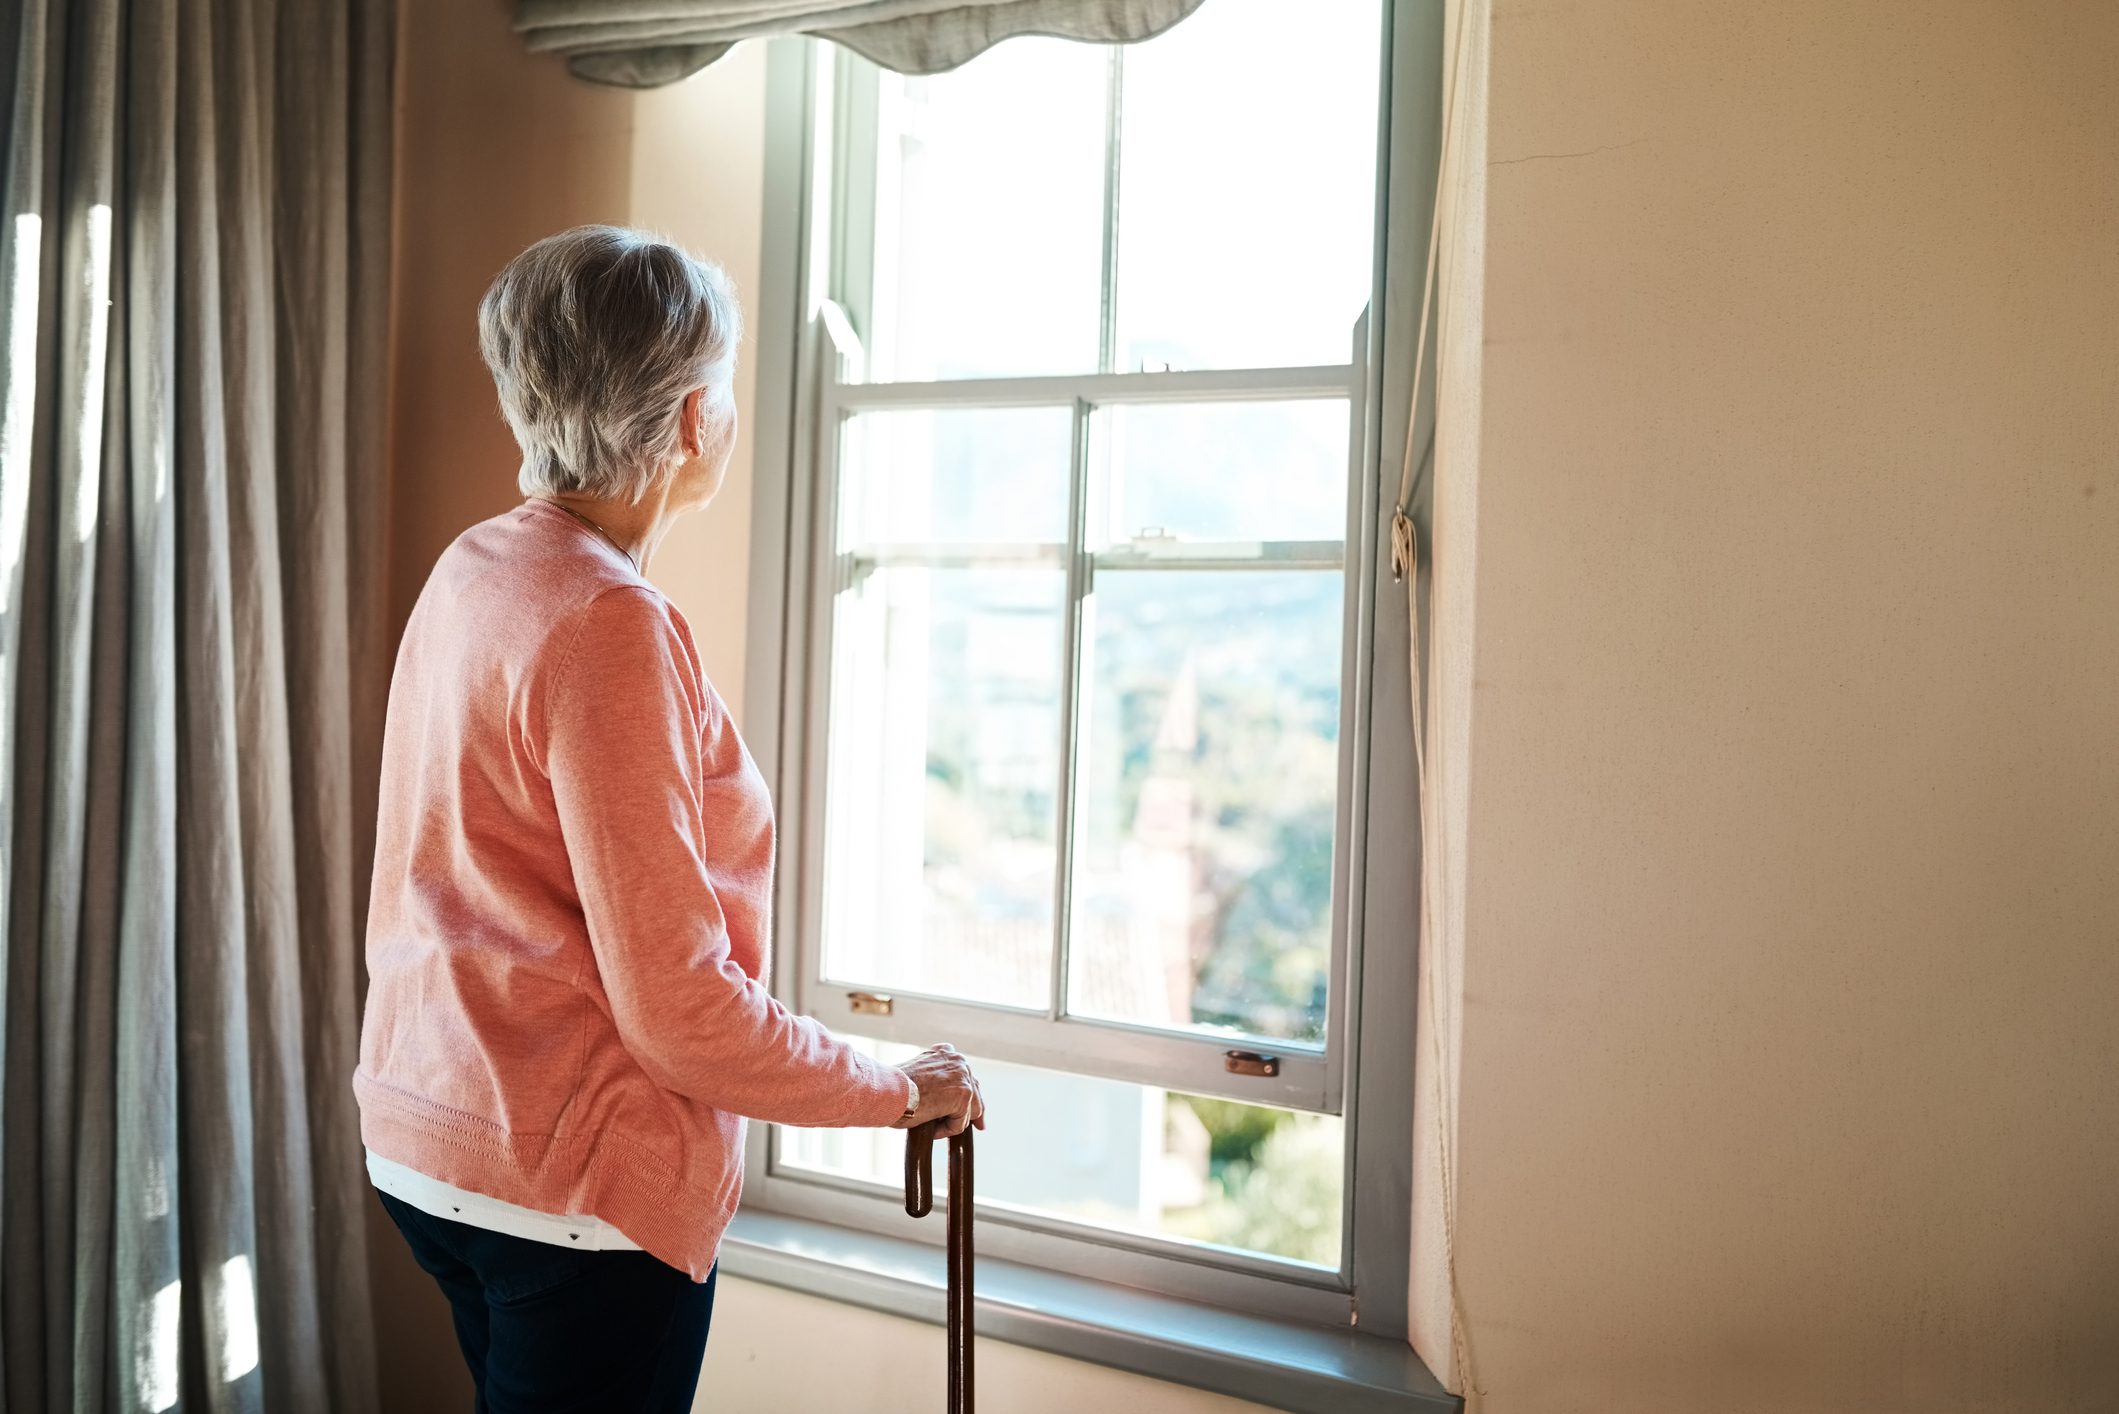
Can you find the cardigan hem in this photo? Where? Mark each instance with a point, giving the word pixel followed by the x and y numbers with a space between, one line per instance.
pixel 638 1193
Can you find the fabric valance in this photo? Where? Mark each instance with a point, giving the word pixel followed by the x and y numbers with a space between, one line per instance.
pixel 648 43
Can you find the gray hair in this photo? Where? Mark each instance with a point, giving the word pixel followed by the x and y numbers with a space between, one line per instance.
pixel 594 337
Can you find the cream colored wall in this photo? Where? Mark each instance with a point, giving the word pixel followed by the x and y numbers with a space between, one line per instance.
pixel 494 149
pixel 1790 890
pixel 497 148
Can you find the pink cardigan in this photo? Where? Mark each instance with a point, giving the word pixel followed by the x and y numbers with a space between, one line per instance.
pixel 570 916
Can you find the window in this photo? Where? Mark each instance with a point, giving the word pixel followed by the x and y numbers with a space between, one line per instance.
pixel 1070 635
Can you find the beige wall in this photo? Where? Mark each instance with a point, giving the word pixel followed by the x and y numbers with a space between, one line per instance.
pixel 495 150
pixel 1789 932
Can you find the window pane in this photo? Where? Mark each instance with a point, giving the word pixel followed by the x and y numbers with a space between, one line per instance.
pixel 940 848
pixel 1247 186
pixel 1225 471
pixel 1125 1157
pixel 989 215
pixel 963 475
pixel 1208 768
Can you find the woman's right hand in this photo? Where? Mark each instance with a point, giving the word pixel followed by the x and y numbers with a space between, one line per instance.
pixel 948 1090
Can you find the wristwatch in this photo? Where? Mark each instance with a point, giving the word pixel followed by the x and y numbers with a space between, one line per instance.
pixel 912 1100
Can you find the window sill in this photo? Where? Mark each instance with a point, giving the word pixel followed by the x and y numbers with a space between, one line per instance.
pixel 1286 1365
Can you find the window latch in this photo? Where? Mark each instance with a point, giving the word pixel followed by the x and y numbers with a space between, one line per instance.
pixel 869 1003
pixel 1249 1063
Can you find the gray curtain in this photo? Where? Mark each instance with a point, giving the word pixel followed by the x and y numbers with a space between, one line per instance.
pixel 192 262
pixel 646 43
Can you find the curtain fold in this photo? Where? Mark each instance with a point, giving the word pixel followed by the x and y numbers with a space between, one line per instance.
pixel 193 264
pixel 648 43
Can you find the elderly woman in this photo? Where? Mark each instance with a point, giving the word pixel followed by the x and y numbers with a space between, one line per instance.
pixel 566 1021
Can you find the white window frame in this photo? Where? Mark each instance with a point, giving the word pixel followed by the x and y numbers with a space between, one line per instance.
pixel 808 379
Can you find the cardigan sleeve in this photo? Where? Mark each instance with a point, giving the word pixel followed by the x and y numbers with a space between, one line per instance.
pixel 635 791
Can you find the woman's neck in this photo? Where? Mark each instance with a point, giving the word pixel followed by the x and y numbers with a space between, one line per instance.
pixel 636 530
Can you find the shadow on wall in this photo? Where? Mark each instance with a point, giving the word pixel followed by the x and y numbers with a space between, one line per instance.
pixel 419 1370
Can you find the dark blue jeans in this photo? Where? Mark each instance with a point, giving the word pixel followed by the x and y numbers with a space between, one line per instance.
pixel 551 1330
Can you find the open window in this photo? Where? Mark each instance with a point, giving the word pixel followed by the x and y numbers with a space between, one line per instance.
pixel 1068 640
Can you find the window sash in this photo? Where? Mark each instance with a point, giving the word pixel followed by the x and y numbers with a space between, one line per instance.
pixel 1309 1076
pixel 845 393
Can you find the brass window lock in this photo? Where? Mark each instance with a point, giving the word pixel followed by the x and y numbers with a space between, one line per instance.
pixel 1250 1063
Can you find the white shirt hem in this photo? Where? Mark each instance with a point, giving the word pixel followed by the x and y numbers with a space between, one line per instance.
pixel 444 1200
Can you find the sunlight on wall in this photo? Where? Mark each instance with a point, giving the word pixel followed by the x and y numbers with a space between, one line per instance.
pixel 90 489
pixel 21 398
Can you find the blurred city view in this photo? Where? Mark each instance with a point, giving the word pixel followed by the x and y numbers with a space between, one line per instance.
pixel 1206 747
pixel 1131 1158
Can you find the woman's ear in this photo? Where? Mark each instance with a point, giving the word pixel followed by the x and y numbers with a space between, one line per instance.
pixel 697 418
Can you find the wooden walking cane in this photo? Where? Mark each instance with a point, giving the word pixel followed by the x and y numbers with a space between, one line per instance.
pixel 919 1201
